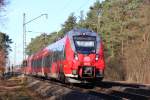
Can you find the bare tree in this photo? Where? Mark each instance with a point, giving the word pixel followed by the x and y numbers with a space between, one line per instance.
pixel 2 3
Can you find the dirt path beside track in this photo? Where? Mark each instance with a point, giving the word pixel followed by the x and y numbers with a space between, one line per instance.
pixel 15 89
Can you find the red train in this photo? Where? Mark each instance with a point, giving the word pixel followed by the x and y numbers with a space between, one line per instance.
pixel 76 58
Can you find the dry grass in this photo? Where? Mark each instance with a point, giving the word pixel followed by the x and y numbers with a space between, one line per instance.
pixel 137 63
pixel 15 90
pixel 114 69
pixel 137 54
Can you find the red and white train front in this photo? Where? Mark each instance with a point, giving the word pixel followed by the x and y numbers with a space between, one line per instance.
pixel 84 58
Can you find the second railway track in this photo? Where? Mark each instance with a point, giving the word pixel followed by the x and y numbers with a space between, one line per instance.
pixel 98 92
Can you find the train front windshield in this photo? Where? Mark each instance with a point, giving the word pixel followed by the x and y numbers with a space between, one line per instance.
pixel 85 44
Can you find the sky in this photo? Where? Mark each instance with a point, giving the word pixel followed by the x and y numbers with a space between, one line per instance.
pixel 57 10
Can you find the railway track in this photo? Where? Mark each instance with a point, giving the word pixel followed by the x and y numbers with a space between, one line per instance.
pixel 78 92
pixel 122 84
pixel 125 95
pixel 126 90
pixel 101 91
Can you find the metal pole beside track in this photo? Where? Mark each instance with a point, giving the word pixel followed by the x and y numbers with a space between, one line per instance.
pixel 24 35
pixel 24 31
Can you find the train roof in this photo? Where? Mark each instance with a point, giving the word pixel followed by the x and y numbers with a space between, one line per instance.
pixel 81 31
pixel 57 46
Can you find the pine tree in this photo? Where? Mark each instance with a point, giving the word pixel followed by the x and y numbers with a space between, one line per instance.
pixel 5 42
pixel 69 24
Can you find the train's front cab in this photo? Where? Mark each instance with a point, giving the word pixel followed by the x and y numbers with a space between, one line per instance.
pixel 84 56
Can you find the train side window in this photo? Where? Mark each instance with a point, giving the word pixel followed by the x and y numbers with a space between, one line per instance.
pixel 55 56
pixel 43 62
pixel 39 65
pixel 39 62
pixel 33 63
pixel 52 56
pixel 48 60
pixel 64 54
pixel 36 63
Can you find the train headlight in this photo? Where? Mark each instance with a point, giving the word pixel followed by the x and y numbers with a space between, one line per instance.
pixel 75 56
pixel 97 56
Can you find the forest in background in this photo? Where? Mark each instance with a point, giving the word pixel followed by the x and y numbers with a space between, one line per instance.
pixel 124 26
pixel 5 42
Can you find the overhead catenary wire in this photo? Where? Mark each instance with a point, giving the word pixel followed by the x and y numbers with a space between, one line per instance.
pixel 83 5
pixel 66 5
